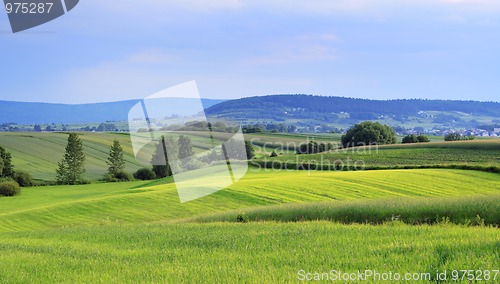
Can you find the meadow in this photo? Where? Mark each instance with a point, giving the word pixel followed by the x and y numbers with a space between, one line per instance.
pixel 271 226
pixel 241 253
pixel 40 208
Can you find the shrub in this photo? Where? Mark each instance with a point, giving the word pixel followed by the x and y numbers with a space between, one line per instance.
pixel 24 179
pixel 123 176
pixel 144 174
pixel 9 188
pixel 456 136
pixel 412 138
pixel 273 154
pixel 423 139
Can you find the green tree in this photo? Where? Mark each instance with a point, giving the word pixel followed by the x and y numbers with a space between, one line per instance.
pixel 369 133
pixel 6 167
pixel 72 167
pixel 185 148
pixel 423 139
pixel 250 150
pixel 456 136
pixel 412 138
pixel 115 160
pixel 160 161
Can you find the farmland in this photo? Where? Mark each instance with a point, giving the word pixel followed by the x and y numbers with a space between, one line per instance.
pixel 264 228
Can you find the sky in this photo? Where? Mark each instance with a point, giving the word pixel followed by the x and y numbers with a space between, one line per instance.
pixel 375 49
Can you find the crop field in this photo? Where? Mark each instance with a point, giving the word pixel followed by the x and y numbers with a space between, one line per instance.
pixel 481 153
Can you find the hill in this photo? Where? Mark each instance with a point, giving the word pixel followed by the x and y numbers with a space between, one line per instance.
pixel 301 109
pixel 45 113
pixel 138 202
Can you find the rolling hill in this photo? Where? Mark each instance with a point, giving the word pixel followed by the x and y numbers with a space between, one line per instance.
pixel 311 110
pixel 45 113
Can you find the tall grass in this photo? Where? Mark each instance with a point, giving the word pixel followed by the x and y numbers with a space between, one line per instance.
pixel 477 210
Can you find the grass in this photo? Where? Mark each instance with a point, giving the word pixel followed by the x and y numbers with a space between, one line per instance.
pixel 477 210
pixel 137 202
pixel 230 253
pixel 39 153
pixel 484 153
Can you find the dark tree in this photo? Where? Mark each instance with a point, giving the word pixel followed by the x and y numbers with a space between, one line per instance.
pixel 6 167
pixel 250 150
pixel 369 133
pixel 161 165
pixel 71 167
pixel 115 160
pixel 37 128
pixel 185 148
pixel 412 138
pixel 423 139
pixel 456 136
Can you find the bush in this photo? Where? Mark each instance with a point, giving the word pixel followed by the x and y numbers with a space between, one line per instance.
pixel 412 138
pixel 456 136
pixel 145 174
pixel 273 154
pixel 24 179
pixel 9 188
pixel 423 139
pixel 123 176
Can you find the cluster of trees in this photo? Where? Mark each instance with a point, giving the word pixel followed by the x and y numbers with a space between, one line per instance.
pixel 11 180
pixel 457 136
pixel 368 133
pixel 412 138
pixel 314 147
pixel 71 168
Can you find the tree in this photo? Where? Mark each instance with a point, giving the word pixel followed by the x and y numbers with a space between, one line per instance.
pixel 72 165
pixel 115 160
pixel 160 161
pixel 369 133
pixel 37 128
pixel 6 167
pixel 250 150
pixel 412 138
pixel 423 139
pixel 456 136
pixel 185 148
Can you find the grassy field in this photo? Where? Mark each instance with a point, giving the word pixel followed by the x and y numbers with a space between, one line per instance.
pixel 472 153
pixel 240 253
pixel 101 204
pixel 294 222
pixel 41 161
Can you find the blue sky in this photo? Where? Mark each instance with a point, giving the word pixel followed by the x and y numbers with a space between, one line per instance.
pixel 377 49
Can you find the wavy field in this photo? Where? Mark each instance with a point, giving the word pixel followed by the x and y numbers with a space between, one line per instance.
pixel 242 253
pixel 100 204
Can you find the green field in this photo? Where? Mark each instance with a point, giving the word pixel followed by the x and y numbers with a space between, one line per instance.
pixel 139 232
pixel 485 153
pixel 61 206
pixel 264 228
pixel 245 253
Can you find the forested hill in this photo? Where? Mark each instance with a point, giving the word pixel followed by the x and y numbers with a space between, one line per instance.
pixel 40 113
pixel 307 106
